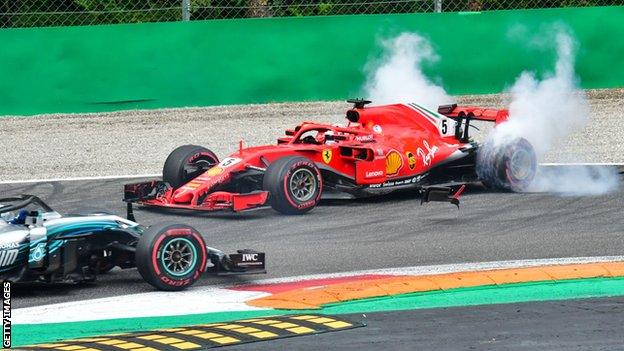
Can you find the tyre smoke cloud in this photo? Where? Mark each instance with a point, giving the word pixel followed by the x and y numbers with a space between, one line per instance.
pixel 544 110
pixel 547 111
pixel 398 75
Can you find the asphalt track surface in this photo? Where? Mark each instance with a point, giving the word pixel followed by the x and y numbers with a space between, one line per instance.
pixel 585 324
pixel 386 232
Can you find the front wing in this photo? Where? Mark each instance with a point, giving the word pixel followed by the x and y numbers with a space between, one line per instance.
pixel 243 262
pixel 159 194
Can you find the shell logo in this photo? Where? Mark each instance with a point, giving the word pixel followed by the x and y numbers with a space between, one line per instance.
pixel 394 162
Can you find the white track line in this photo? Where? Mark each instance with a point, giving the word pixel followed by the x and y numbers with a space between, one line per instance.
pixel 205 299
pixel 154 175
pixel 151 304
pixel 80 178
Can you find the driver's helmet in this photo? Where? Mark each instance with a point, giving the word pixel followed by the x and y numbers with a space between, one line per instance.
pixel 327 137
pixel 20 218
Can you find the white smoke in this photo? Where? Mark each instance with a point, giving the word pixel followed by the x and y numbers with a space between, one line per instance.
pixel 398 76
pixel 548 111
pixel 580 180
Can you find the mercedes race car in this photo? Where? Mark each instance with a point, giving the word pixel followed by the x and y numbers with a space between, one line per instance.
pixel 38 245
pixel 381 149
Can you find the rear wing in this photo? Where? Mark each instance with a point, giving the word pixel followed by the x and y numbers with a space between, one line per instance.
pixel 474 113
pixel 464 114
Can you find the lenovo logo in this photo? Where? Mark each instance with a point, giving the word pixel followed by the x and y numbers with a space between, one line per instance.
pixel 374 174
pixel 250 257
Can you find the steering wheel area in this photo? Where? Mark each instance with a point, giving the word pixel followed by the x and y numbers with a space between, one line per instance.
pixel 312 137
pixel 14 203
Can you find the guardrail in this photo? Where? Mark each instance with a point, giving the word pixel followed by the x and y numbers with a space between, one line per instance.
pixel 30 13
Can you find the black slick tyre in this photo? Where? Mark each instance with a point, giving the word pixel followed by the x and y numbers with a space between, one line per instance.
pixel 294 184
pixel 187 162
pixel 510 166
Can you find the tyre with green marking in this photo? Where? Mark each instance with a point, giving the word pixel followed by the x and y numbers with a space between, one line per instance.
pixel 171 256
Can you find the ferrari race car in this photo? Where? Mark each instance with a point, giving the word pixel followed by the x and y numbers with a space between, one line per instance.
pixel 381 149
pixel 38 245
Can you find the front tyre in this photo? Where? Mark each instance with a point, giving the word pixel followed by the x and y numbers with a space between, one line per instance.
pixel 294 184
pixel 171 256
pixel 186 163
pixel 509 165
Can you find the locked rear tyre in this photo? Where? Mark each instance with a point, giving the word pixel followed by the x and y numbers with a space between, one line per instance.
pixel 187 162
pixel 294 184
pixel 171 256
pixel 511 166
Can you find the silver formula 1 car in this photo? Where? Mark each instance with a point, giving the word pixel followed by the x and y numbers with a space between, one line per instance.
pixel 37 244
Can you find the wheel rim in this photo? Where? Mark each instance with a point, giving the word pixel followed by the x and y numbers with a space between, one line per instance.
pixel 520 165
pixel 179 257
pixel 302 185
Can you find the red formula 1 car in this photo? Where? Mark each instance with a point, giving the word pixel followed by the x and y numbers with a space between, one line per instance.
pixel 381 149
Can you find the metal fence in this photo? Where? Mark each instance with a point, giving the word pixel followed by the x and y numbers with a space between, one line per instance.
pixel 41 13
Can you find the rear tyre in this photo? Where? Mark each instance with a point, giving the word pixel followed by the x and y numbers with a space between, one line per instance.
pixel 511 166
pixel 294 185
pixel 187 162
pixel 171 256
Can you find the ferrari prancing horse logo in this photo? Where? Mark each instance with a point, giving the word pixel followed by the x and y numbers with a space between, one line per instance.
pixel 327 155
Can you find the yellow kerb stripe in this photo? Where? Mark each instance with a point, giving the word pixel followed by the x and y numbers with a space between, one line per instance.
pixel 303 318
pixel 225 340
pixel 300 330
pixel 338 324
pixel 266 322
pixel 186 345
pixel 191 332
pixel 229 326
pixel 71 348
pixel 263 335
pixel 284 325
pixel 168 341
pixel 111 342
pixel 321 320
pixel 150 337
pixel 246 330
pixel 208 335
pixel 129 345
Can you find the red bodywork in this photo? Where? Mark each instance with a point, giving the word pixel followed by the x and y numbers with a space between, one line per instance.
pixel 388 143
